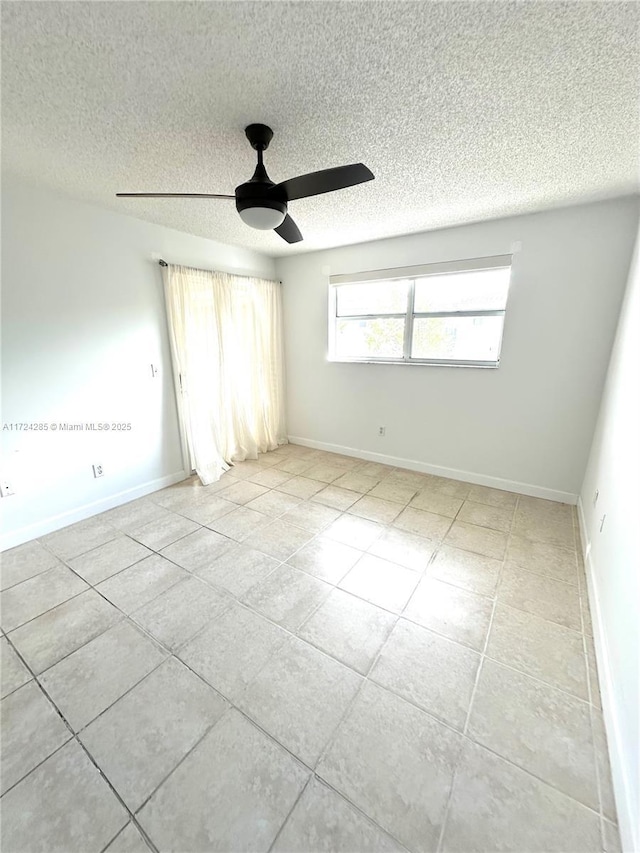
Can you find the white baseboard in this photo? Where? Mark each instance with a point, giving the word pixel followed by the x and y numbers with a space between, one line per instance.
pixel 56 522
pixel 452 473
pixel 627 819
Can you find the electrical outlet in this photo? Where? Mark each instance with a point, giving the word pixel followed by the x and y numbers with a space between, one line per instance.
pixel 6 489
pixel 596 496
pixel 382 430
pixel 98 471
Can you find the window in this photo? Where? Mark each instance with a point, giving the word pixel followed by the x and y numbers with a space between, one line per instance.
pixel 447 314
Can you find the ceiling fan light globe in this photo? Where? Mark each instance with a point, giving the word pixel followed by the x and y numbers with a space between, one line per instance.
pixel 262 218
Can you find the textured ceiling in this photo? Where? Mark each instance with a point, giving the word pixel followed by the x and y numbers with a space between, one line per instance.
pixel 463 111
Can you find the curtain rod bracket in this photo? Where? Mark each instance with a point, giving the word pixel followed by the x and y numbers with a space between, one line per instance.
pixel 162 263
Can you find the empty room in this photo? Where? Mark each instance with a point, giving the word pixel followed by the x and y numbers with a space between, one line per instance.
pixel 320 420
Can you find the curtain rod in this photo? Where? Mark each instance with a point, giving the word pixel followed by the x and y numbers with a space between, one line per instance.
pixel 163 263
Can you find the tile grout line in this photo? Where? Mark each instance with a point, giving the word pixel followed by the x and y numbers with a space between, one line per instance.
pixel 192 748
pixel 387 832
pixel 126 618
pixel 290 812
pixel 94 585
pixel 118 834
pixel 366 678
pixel 545 782
pixel 33 618
pixel 325 750
pixel 465 729
pixel 223 591
pixel 40 763
pixel 482 660
pixel 466 738
pixel 74 737
pixel 232 705
pixel 327 747
pixel 397 616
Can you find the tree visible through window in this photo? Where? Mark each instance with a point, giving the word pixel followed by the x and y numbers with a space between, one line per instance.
pixel 445 314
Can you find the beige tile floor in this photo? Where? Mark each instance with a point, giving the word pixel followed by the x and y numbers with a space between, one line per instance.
pixel 314 654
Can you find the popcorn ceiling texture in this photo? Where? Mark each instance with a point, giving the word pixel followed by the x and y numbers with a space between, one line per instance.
pixel 463 111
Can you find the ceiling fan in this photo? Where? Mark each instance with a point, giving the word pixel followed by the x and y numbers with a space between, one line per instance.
pixel 263 204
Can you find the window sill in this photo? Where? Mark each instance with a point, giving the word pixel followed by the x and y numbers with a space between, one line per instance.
pixel 482 365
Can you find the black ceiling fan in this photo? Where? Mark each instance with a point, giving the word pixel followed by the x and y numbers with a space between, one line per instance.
pixel 263 204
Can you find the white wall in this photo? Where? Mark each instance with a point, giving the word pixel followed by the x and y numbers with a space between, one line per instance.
pixel 526 425
pixel 83 320
pixel 613 556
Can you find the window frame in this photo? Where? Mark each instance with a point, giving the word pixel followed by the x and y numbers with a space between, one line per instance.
pixel 411 275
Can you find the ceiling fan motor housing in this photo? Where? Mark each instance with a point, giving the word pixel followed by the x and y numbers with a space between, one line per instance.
pixel 257 193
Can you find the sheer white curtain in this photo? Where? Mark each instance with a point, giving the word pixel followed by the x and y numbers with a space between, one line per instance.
pixel 226 341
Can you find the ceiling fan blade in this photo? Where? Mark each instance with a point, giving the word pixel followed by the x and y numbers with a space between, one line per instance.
pixel 172 195
pixel 289 231
pixel 324 181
